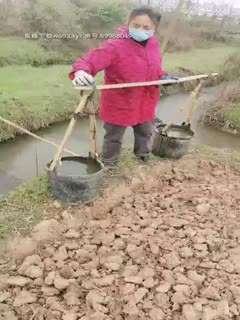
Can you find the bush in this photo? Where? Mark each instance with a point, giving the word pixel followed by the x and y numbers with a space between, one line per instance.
pixel 48 16
pixel 231 68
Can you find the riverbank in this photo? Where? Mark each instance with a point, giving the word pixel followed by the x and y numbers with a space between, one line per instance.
pixel 37 97
pixel 32 202
pixel 223 111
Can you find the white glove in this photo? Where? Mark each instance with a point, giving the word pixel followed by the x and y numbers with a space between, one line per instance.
pixel 83 78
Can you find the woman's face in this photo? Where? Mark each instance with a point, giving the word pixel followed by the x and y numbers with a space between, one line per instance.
pixel 142 23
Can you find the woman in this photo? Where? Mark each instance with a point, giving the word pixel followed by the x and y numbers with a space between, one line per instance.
pixel 133 56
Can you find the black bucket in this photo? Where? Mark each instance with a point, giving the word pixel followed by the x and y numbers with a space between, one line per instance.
pixel 72 184
pixel 173 143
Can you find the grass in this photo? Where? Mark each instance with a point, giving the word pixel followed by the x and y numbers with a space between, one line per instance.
pixel 232 116
pixel 34 98
pixel 224 110
pixel 24 207
pixel 199 60
pixel 231 68
pixel 22 51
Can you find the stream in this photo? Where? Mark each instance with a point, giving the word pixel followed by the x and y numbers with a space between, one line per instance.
pixel 25 157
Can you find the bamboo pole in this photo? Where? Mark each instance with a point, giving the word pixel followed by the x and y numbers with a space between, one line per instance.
pixel 69 130
pixel 145 84
pixel 35 136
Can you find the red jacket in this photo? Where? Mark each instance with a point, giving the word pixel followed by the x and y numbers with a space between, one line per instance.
pixel 124 60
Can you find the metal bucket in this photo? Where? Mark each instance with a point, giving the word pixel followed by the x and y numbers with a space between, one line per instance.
pixel 73 188
pixel 172 144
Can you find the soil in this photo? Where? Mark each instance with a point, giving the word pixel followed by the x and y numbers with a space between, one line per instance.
pixel 163 245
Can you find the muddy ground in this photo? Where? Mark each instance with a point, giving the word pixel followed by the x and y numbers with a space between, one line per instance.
pixel 164 244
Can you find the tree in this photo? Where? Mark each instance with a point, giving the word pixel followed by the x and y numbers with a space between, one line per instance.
pixel 172 25
pixel 49 16
pixel 190 6
pixel 6 9
pixel 162 3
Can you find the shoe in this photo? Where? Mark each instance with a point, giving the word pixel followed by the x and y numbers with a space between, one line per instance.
pixel 144 158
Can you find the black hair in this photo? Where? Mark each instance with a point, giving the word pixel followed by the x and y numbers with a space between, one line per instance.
pixel 146 11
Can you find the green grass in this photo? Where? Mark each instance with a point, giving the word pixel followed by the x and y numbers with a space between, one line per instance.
pixel 35 97
pixel 21 51
pixel 199 60
pixel 24 207
pixel 232 116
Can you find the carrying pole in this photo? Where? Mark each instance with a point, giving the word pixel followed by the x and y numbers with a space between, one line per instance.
pixel 145 83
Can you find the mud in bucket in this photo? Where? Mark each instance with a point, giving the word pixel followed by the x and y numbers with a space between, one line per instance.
pixel 76 180
pixel 173 143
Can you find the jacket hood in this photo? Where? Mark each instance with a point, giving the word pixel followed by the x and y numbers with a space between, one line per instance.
pixel 123 30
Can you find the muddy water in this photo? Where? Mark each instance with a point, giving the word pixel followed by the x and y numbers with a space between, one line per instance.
pixel 25 157
pixel 179 133
pixel 79 168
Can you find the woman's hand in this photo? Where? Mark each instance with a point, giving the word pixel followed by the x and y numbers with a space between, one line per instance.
pixel 169 78
pixel 83 78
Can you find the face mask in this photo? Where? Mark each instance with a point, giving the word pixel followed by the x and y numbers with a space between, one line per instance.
pixel 140 35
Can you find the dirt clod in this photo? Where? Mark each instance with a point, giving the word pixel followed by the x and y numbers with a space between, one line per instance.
pixel 156 314
pixel 190 313
pixel 34 272
pixel 163 247
pixel 20 248
pixel 61 283
pixel 24 297
pixel 18 281
pixel 112 262
pixel 47 230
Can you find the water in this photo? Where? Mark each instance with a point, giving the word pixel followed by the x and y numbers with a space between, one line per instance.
pixel 179 133
pixel 78 168
pixel 18 157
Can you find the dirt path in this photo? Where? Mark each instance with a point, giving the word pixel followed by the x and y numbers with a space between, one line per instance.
pixel 164 246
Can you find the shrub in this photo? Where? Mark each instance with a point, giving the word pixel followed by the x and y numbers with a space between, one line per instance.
pixel 231 68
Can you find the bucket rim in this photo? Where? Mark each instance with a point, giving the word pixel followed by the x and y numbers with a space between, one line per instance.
pixel 187 129
pixel 74 176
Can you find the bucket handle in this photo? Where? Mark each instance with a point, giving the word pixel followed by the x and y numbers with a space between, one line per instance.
pixel 194 96
pixel 69 130
pixel 92 131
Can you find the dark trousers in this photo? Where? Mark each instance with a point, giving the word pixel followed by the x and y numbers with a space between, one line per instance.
pixel 114 136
